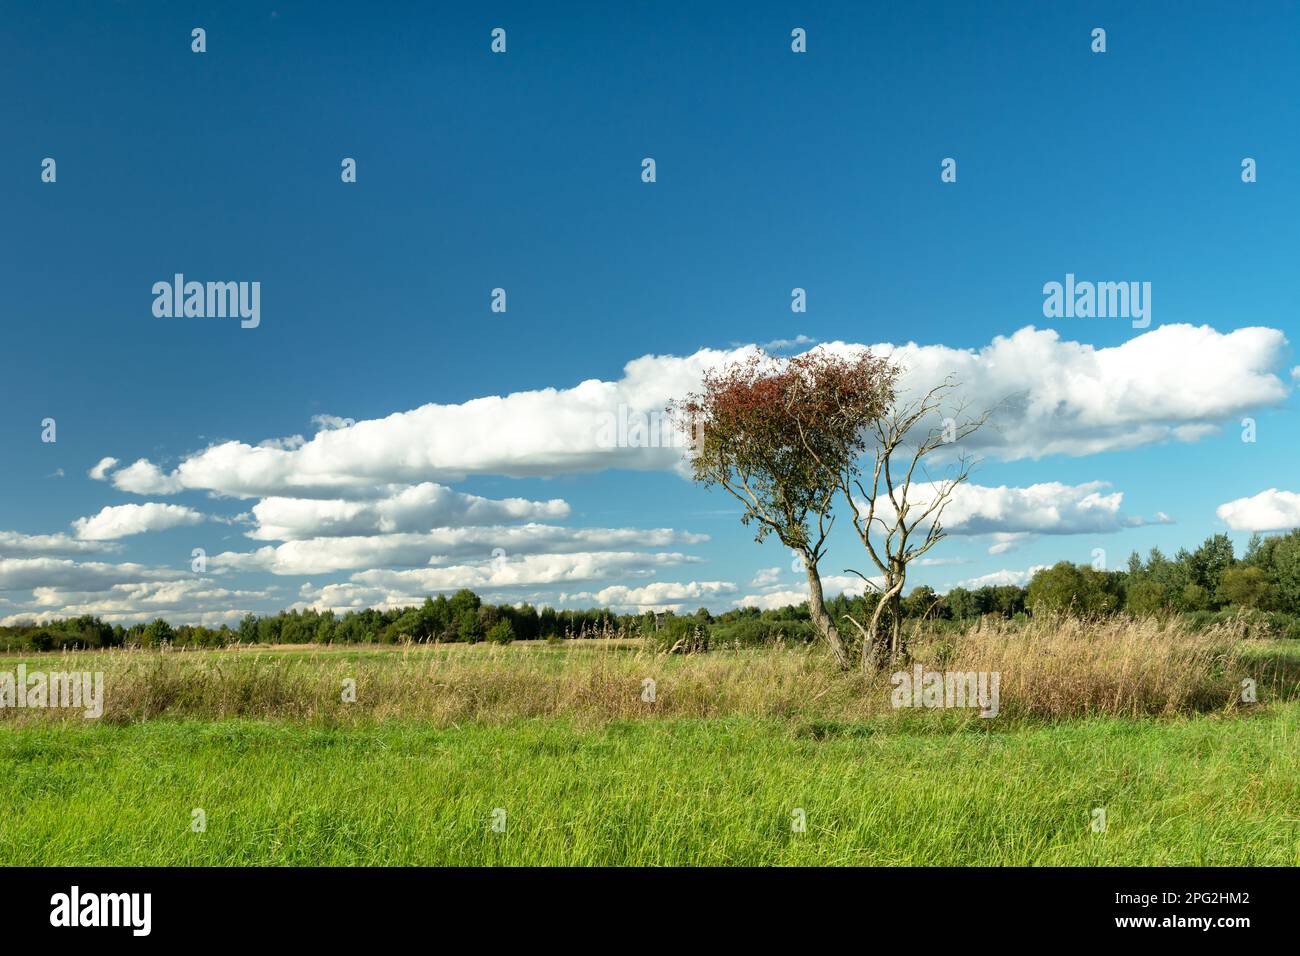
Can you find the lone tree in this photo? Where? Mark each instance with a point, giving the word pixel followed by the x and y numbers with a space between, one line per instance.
pixel 778 435
pixel 898 513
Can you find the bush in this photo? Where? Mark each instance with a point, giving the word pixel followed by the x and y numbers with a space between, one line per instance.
pixel 680 635
pixel 502 632
pixel 755 632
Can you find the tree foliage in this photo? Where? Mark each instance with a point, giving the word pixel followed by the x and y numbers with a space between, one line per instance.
pixel 777 434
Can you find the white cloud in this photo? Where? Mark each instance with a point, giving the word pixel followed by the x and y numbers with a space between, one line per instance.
pixel 102 468
pixel 545 432
pixel 1045 508
pixel 1014 516
pixel 656 596
pixel 344 596
pixel 1270 510
pixel 327 422
pixel 118 521
pixel 190 601
pixel 145 478
pixel 1004 542
pixel 415 508
pixel 524 571
pixel 16 544
pixel 1002 578
pixel 778 345
pixel 774 597
pixel 774 600
pixel 392 589
pixel 1176 382
pixel 323 555
pixel 24 574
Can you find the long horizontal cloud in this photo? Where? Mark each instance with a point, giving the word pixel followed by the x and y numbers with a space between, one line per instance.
pixel 1001 578
pixel 526 571
pixel 194 600
pixel 1045 508
pixel 15 544
pixel 774 596
pixel 416 508
pixel 656 596
pixel 323 555
pixel 1270 510
pixel 24 574
pixel 545 432
pixel 1050 396
pixel 493 580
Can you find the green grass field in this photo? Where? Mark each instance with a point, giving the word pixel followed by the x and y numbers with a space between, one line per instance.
pixel 1201 791
pixel 920 788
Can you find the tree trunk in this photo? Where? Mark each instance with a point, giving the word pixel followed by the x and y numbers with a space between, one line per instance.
pixel 896 624
pixel 821 620
pixel 874 639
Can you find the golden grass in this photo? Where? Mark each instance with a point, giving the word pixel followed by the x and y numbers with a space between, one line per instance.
pixel 1049 669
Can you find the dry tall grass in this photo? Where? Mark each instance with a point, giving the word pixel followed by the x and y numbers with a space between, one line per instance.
pixel 1062 666
pixel 1049 669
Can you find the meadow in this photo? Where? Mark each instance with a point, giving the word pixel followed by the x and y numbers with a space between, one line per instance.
pixel 556 753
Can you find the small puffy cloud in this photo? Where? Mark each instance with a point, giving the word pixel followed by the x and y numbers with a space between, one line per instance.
pixel 143 477
pixel 102 468
pixel 1270 510
pixel 1004 542
pixel 328 422
pixel 118 521
pixel 780 345
pixel 287 443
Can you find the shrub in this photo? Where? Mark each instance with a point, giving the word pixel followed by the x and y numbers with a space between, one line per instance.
pixel 680 635
pixel 502 632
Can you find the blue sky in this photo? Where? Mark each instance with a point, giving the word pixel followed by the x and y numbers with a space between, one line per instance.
pixel 522 171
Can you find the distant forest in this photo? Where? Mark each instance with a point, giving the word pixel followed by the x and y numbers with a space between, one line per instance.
pixel 1206 584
